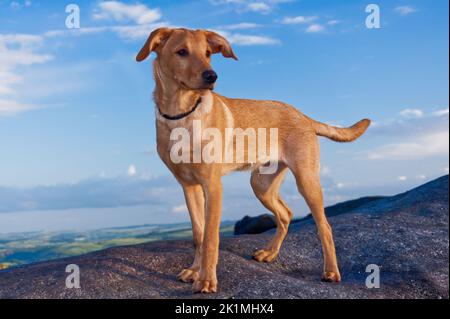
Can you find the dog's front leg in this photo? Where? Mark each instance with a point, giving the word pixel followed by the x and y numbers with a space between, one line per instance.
pixel 207 281
pixel 195 201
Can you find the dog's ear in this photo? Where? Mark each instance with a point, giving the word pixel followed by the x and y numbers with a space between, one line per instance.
pixel 219 44
pixel 154 41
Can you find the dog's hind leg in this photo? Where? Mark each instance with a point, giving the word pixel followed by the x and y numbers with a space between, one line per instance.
pixel 309 187
pixel 304 164
pixel 195 201
pixel 266 187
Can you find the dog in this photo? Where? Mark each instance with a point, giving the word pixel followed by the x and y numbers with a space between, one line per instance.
pixel 184 94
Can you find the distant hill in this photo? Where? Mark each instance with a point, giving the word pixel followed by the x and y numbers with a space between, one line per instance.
pixel 406 235
pixel 349 206
pixel 24 248
pixel 262 223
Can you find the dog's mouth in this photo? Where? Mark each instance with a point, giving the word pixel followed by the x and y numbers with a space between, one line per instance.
pixel 184 86
pixel 205 87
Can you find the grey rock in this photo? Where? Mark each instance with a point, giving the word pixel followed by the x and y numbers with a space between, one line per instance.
pixel 255 225
pixel 407 236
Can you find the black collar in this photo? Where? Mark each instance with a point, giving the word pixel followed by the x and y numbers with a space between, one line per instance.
pixel 183 115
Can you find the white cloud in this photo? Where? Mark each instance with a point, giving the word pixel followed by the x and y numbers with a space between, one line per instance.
pixel 7 80
pixel 4 90
pixel 417 147
pixel 180 209
pixel 22 39
pixel 439 113
pixel 139 20
pixel 125 32
pixel 141 32
pixel 17 5
pixel 135 32
pixel 146 20
pixel 244 40
pixel 299 20
pixel 118 11
pixel 325 170
pixel 17 50
pixel 417 113
pixel 405 10
pixel 11 58
pixel 261 6
pixel 138 32
pixel 416 134
pixel 413 122
pixel 402 178
pixel 333 22
pixel 240 26
pixel 315 28
pixel 310 21
pixel 14 5
pixel 11 107
pixel 132 171
pixel 412 113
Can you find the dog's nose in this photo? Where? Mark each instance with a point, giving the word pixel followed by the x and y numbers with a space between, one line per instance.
pixel 209 76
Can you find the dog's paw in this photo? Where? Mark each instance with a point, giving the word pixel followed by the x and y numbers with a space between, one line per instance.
pixel 188 275
pixel 205 286
pixel 331 276
pixel 265 256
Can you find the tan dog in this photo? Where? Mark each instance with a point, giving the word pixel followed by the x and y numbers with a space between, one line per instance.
pixel 184 84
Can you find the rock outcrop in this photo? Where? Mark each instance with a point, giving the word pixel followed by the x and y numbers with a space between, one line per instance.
pixel 262 223
pixel 255 225
pixel 407 236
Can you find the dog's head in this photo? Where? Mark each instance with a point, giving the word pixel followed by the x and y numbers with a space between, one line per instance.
pixel 185 55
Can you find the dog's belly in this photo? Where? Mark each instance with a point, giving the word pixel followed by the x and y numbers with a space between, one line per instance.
pixel 229 168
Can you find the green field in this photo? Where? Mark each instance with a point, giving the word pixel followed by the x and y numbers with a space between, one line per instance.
pixel 24 248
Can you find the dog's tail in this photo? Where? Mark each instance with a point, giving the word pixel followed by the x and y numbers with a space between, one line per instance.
pixel 342 135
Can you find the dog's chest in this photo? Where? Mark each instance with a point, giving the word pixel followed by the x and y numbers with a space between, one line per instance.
pixel 175 143
pixel 178 134
pixel 193 135
pixel 179 139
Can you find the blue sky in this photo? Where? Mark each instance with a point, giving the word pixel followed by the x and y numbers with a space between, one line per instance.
pixel 77 119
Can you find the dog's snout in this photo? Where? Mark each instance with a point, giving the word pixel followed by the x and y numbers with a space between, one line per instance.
pixel 209 76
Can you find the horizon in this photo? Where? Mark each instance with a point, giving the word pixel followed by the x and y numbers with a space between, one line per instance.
pixel 77 128
pixel 98 223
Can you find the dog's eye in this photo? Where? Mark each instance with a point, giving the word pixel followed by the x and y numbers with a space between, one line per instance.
pixel 183 52
pixel 208 54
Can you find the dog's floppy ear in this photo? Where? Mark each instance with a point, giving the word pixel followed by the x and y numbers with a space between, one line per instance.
pixel 156 38
pixel 219 44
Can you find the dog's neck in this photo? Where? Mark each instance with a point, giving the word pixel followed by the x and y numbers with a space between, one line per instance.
pixel 170 97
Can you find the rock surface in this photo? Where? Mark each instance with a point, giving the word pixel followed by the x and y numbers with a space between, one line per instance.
pixel 255 225
pixel 407 236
